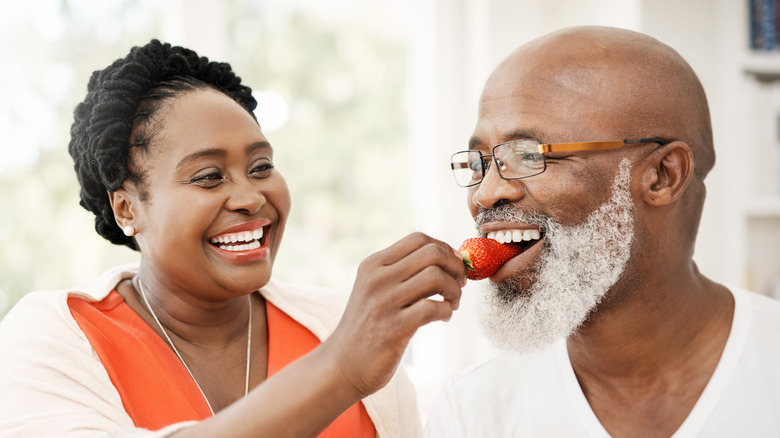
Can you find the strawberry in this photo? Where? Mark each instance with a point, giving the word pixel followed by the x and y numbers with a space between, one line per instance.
pixel 482 257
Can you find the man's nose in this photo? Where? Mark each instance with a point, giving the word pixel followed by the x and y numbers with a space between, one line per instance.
pixel 495 190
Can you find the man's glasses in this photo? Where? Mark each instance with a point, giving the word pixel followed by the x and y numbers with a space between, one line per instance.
pixel 523 158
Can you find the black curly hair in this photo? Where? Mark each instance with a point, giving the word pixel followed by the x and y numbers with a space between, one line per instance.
pixel 118 114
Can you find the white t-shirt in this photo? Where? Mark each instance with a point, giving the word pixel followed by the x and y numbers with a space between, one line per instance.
pixel 538 395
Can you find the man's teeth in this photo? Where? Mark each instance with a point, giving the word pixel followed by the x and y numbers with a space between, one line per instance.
pixel 506 236
pixel 252 238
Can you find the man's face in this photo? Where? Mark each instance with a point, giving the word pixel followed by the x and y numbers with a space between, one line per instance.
pixel 555 104
pixel 577 265
pixel 580 228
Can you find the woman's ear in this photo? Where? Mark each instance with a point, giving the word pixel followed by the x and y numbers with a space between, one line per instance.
pixel 670 169
pixel 123 202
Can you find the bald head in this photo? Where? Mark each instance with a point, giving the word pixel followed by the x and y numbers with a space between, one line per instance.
pixel 627 83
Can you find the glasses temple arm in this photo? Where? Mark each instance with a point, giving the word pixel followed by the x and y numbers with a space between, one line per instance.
pixel 595 145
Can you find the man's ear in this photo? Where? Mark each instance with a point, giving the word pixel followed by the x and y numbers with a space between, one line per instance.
pixel 123 202
pixel 669 170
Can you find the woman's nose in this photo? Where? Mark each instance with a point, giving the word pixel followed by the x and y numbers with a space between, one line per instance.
pixel 246 196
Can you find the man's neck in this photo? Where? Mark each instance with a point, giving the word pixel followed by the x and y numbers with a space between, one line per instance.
pixel 652 353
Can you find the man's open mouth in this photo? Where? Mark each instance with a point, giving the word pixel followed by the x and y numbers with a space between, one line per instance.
pixel 525 237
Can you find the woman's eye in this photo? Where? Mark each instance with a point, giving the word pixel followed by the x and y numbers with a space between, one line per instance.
pixel 262 170
pixel 210 179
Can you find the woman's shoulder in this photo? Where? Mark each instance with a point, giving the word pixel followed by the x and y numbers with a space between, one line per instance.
pixel 317 308
pixel 50 369
pixel 42 308
pixel 40 305
pixel 304 294
pixel 99 287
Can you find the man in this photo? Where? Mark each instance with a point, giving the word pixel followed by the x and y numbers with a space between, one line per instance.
pixel 610 328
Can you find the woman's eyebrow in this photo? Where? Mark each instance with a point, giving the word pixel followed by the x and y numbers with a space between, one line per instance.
pixel 211 152
pixel 257 145
pixel 219 153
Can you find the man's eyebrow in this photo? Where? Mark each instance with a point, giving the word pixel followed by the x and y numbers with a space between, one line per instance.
pixel 474 142
pixel 516 134
pixel 219 153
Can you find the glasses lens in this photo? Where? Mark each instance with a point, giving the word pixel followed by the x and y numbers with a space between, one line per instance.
pixel 519 158
pixel 467 167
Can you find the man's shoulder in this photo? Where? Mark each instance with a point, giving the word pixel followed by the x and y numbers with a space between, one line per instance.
pixel 763 311
pixel 509 394
pixel 507 371
pixel 752 350
pixel 764 305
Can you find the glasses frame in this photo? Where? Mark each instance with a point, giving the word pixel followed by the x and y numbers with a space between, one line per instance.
pixel 551 147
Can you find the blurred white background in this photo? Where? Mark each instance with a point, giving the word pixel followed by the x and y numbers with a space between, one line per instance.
pixel 364 101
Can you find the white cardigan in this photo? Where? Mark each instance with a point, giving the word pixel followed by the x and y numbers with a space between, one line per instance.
pixel 52 382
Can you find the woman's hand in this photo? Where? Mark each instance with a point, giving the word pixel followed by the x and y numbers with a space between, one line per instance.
pixel 390 300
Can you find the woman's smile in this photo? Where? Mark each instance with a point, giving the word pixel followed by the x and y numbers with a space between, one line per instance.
pixel 244 242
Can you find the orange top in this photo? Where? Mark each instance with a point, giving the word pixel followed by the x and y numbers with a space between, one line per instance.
pixel 287 341
pixel 155 388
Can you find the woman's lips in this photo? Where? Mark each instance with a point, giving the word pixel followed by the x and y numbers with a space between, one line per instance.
pixel 244 242
pixel 257 224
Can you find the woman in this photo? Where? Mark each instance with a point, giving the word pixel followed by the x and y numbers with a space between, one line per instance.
pixel 198 340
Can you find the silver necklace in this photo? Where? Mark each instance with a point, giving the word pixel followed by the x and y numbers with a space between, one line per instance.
pixel 170 342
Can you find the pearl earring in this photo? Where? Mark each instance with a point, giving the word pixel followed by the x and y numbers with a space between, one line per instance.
pixel 128 230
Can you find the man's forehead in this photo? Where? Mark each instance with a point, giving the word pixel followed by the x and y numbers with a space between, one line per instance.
pixel 566 75
pixel 589 60
pixel 562 97
pixel 481 138
pixel 546 107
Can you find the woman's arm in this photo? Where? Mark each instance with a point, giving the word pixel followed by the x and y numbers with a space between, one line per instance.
pixel 389 302
pixel 53 384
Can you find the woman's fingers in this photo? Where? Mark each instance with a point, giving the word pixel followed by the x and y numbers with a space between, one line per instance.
pixel 434 253
pixel 429 267
pixel 417 247
pixel 427 283
pixel 390 300
pixel 425 311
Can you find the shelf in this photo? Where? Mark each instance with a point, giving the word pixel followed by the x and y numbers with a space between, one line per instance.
pixel 764 66
pixel 765 206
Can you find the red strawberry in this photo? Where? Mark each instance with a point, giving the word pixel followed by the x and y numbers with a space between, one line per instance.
pixel 482 257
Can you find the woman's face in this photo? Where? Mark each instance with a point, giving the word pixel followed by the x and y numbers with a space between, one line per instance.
pixel 216 207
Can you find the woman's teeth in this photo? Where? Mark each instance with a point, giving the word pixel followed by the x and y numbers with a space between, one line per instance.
pixel 507 236
pixel 245 247
pixel 227 241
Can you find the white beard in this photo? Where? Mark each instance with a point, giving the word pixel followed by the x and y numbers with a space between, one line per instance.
pixel 577 266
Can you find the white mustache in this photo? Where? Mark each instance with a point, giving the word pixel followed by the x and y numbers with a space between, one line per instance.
pixel 509 213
